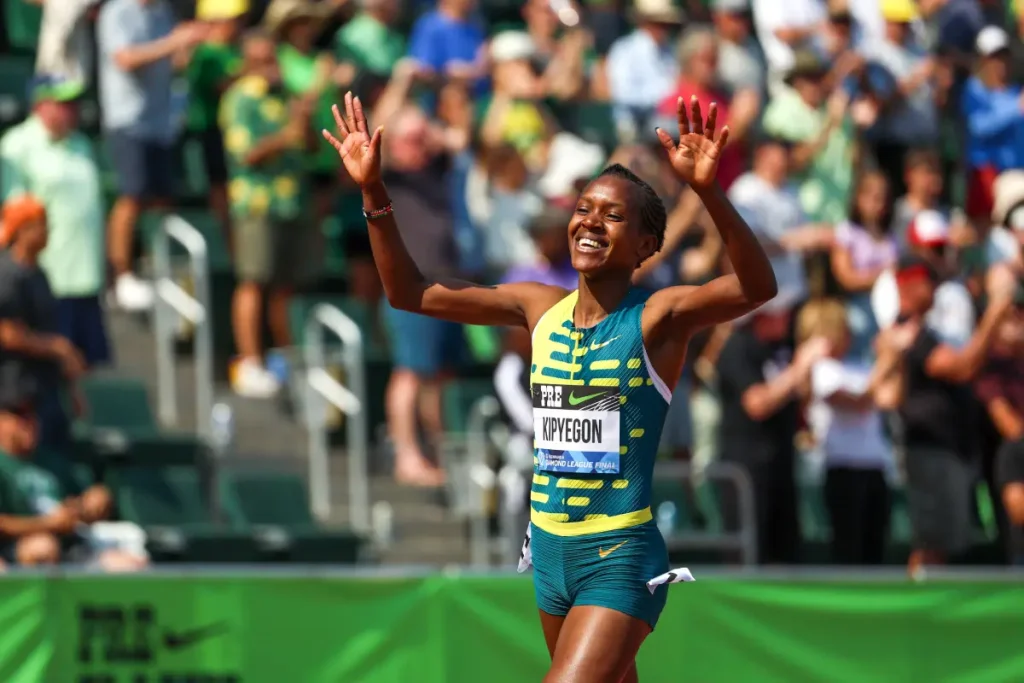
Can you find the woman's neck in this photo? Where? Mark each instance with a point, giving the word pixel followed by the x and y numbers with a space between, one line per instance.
pixel 597 298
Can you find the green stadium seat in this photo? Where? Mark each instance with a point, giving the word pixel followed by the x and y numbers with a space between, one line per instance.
pixel 23 20
pixel 15 73
pixel 120 403
pixel 116 448
pixel 160 496
pixel 457 400
pixel 172 505
pixel 275 506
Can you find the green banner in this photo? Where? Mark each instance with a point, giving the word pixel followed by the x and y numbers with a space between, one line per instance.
pixel 450 629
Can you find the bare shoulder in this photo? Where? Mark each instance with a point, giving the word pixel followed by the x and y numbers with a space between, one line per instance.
pixel 534 298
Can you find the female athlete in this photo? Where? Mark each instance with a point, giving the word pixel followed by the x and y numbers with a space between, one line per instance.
pixel 604 357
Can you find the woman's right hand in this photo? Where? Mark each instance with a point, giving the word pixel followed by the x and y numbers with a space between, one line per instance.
pixel 359 151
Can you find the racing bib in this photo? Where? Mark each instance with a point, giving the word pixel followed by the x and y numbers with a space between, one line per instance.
pixel 576 428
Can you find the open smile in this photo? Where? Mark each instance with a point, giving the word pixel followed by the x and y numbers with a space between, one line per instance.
pixel 590 243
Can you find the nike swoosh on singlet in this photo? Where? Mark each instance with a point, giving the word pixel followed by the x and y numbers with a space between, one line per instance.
pixel 595 346
pixel 575 400
pixel 605 553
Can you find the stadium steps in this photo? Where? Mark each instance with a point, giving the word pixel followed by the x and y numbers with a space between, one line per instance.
pixel 424 532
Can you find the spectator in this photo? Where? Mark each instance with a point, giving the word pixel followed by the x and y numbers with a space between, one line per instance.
pixel 447 41
pixel 699 78
pixel 502 203
pixel 369 40
pixel 65 40
pixel 642 66
pixel 952 316
pixel 1001 390
pixel 740 61
pixel 266 138
pixel 785 28
pixel 994 110
pixel 1017 46
pixel 1008 215
pixel 421 347
pixel 42 507
pixel 48 157
pixel 922 177
pixel 935 412
pixel 212 67
pixel 564 56
pixel 136 40
pixel 848 428
pixel 774 213
pixel 514 114
pixel 307 74
pixel 760 381
pixel 822 136
pixel 908 116
pixel 863 250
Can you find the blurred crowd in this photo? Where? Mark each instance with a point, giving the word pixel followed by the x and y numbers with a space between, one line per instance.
pixel 876 147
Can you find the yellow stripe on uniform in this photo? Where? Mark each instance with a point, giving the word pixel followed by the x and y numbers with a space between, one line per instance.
pixel 620 483
pixel 578 501
pixel 547 522
pixel 579 484
pixel 636 382
pixel 541 480
pixel 636 433
pixel 604 382
pixel 605 365
pixel 539 497
pixel 634 363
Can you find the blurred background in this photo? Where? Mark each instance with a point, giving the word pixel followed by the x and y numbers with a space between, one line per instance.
pixel 200 378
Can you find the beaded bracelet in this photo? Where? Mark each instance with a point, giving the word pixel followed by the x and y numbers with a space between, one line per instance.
pixel 385 210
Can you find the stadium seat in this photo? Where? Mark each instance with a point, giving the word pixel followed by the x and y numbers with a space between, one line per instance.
pixel 15 73
pixel 172 505
pixel 23 20
pixel 120 403
pixel 363 315
pixel 458 398
pixel 274 505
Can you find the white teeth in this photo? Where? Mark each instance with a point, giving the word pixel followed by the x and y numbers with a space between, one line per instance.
pixel 589 243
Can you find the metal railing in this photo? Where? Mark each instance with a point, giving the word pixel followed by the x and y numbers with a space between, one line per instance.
pixel 171 301
pixel 350 400
pixel 481 477
pixel 745 538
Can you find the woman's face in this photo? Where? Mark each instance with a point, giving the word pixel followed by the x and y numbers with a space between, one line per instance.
pixel 605 232
pixel 996 69
pixel 872 197
pixel 703 65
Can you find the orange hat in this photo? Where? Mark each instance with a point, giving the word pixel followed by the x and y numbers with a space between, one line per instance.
pixel 16 214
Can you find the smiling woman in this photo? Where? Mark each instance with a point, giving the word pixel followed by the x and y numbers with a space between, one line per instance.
pixel 601 354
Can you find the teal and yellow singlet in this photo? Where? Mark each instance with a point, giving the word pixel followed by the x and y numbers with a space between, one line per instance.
pixel 599 409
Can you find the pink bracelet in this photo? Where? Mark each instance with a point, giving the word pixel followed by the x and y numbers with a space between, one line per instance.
pixel 372 214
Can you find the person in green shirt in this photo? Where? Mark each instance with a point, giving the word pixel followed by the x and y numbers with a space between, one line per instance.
pixel 41 504
pixel 309 74
pixel 823 137
pixel 368 40
pixel 267 136
pixel 211 68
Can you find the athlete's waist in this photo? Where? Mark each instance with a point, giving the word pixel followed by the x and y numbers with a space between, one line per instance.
pixel 548 522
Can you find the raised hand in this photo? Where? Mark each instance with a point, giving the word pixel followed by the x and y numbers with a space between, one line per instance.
pixel 359 151
pixel 695 159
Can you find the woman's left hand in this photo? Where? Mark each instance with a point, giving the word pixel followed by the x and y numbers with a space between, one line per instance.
pixel 695 158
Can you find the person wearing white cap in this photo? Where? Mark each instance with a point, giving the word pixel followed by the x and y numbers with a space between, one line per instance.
pixel 951 316
pixel 994 110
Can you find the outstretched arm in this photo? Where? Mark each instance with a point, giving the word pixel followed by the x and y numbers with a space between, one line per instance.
pixel 519 304
pixel 680 311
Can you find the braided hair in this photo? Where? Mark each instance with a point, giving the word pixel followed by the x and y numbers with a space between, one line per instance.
pixel 652 211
